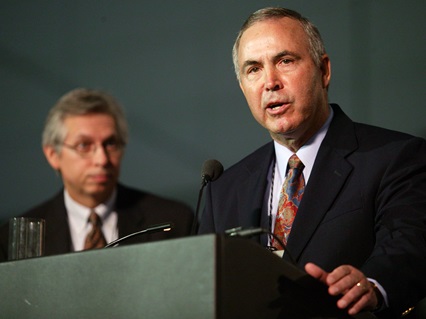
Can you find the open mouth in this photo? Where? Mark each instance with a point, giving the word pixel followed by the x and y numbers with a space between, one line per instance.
pixel 275 105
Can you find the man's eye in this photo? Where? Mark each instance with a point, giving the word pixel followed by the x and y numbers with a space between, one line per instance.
pixel 286 61
pixel 84 147
pixel 111 144
pixel 253 70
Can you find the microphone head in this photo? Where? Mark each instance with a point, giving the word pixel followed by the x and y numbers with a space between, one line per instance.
pixel 211 170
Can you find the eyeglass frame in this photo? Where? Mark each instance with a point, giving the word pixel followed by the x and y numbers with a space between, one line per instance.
pixel 93 147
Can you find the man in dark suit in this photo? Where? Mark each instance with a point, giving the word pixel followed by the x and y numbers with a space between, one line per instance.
pixel 360 226
pixel 84 140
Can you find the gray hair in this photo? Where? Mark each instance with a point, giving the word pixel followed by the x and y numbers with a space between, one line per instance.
pixel 82 101
pixel 316 43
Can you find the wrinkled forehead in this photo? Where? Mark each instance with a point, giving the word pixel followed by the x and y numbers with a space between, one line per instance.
pixel 93 125
pixel 286 22
pixel 282 34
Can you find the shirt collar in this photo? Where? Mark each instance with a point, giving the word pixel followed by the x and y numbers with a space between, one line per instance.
pixel 307 153
pixel 78 214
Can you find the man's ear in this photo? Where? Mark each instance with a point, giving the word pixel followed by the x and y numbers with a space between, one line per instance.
pixel 326 70
pixel 52 157
pixel 241 87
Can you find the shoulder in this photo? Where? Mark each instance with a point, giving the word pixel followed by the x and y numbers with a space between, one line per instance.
pixel 260 159
pixel 141 208
pixel 380 133
pixel 128 197
pixel 47 207
pixel 389 143
pixel 345 133
pixel 251 170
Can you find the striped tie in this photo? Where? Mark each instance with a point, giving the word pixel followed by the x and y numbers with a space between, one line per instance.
pixel 95 238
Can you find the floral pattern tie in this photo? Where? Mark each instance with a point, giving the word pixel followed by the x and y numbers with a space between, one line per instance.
pixel 290 197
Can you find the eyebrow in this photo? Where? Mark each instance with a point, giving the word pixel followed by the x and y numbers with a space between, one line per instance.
pixel 248 63
pixel 286 52
pixel 82 136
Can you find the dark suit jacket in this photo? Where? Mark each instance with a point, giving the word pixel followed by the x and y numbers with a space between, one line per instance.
pixel 364 205
pixel 136 210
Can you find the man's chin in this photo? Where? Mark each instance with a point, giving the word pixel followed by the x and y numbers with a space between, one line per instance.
pixel 101 190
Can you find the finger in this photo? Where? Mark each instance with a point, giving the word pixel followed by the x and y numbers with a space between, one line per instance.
pixel 367 300
pixel 316 272
pixel 359 305
pixel 361 297
pixel 343 278
pixel 340 273
pixel 343 286
pixel 353 295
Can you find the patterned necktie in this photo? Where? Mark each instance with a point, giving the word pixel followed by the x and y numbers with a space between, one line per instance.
pixel 95 238
pixel 290 197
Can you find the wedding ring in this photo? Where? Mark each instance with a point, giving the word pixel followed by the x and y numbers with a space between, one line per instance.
pixel 360 285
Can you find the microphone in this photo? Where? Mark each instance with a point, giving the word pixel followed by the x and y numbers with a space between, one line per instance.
pixel 210 171
pixel 250 232
pixel 149 230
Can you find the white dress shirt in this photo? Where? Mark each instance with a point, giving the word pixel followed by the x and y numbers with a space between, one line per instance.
pixel 78 219
pixel 307 154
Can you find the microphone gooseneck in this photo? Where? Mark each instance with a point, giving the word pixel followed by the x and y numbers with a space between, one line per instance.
pixel 210 171
pixel 151 229
pixel 250 232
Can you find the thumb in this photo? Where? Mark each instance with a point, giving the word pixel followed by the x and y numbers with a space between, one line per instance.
pixel 316 272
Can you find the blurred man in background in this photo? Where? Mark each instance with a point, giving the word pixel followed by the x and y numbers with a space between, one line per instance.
pixel 84 140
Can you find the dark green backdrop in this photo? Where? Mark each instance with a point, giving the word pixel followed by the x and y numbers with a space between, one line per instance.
pixel 169 63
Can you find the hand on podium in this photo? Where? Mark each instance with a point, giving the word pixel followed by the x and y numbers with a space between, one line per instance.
pixel 358 294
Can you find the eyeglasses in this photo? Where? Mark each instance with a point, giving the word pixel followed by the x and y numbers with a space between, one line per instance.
pixel 88 149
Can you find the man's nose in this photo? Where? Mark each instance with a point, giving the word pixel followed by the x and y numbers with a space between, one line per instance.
pixel 272 80
pixel 100 155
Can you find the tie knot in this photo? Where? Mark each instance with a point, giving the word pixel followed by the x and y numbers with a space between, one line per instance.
pixel 295 162
pixel 94 219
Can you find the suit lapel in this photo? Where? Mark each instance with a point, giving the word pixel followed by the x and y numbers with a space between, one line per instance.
pixel 251 205
pixel 330 168
pixel 131 217
pixel 57 234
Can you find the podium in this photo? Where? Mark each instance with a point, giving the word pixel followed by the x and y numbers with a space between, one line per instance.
pixel 209 276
